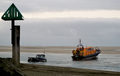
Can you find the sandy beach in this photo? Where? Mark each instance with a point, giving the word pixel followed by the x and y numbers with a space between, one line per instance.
pixel 41 70
pixel 8 69
pixel 58 49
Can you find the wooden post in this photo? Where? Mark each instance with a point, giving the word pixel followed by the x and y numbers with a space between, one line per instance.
pixel 16 46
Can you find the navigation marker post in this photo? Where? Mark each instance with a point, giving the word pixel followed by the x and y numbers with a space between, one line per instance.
pixel 13 14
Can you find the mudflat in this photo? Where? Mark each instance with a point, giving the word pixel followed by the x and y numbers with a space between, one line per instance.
pixel 58 49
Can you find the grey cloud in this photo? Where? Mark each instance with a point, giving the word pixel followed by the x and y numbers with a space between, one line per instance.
pixel 61 5
pixel 67 32
pixel 64 32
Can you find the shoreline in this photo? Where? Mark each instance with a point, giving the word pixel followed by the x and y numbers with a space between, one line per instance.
pixel 44 70
pixel 57 49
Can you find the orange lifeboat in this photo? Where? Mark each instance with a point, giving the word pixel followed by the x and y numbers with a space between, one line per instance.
pixel 85 53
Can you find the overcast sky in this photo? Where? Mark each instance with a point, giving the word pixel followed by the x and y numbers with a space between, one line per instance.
pixel 64 22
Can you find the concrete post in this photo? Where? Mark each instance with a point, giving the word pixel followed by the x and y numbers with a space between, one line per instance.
pixel 16 46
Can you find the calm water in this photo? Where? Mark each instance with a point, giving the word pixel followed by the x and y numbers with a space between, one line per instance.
pixel 109 62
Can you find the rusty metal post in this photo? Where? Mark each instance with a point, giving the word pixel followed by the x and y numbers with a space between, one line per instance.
pixel 16 45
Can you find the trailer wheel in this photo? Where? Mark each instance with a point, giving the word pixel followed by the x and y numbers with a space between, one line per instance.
pixel 45 60
pixel 29 60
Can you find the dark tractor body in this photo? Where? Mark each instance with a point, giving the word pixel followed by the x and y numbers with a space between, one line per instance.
pixel 38 58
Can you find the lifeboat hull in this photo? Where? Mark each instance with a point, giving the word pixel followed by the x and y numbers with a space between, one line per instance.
pixel 88 57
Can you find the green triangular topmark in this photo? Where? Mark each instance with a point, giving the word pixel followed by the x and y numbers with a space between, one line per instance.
pixel 12 13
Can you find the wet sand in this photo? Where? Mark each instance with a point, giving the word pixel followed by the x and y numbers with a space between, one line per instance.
pixel 58 49
pixel 41 70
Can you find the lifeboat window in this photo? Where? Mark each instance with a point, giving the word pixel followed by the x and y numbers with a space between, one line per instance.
pixel 90 49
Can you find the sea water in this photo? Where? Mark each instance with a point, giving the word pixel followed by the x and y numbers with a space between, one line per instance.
pixel 108 62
